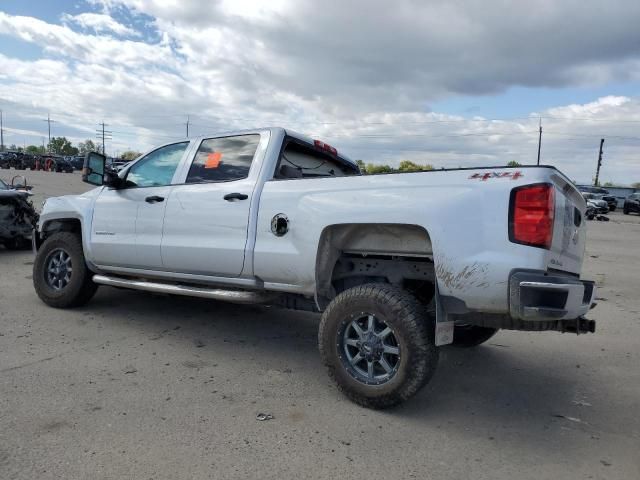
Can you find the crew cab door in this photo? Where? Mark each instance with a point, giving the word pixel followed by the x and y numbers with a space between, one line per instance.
pixel 207 217
pixel 127 223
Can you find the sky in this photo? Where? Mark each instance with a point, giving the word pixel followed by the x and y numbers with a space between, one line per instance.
pixel 449 83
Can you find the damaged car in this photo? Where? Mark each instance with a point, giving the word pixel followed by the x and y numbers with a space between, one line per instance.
pixel 17 216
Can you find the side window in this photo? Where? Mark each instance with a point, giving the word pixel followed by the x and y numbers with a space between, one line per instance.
pixel 223 159
pixel 157 168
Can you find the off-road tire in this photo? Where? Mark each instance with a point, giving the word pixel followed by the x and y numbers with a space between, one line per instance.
pixel 80 288
pixel 471 335
pixel 625 210
pixel 412 327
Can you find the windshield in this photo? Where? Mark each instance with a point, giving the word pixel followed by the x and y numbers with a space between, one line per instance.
pixel 3 186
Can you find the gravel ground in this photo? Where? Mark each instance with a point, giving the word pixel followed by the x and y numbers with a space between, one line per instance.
pixel 143 386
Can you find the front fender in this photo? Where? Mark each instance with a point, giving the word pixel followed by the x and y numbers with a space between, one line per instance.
pixel 77 208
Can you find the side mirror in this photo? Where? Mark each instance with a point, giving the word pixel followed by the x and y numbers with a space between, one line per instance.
pixel 94 168
pixel 95 171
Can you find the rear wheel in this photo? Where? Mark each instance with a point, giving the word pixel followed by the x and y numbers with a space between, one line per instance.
pixel 376 341
pixel 471 335
pixel 60 275
pixel 625 210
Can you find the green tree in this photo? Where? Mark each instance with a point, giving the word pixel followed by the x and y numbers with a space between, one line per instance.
pixel 130 155
pixel 372 169
pixel 87 146
pixel 409 166
pixel 608 184
pixel 636 185
pixel 513 163
pixel 35 149
pixel 361 166
pixel 62 146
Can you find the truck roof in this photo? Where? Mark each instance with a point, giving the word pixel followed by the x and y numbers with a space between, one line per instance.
pixel 274 131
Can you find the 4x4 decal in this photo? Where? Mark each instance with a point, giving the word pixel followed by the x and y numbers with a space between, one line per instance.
pixel 486 176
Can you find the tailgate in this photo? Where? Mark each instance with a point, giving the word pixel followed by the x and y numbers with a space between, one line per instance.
pixel 569 231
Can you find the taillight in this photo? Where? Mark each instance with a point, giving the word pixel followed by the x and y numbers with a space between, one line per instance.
pixel 531 214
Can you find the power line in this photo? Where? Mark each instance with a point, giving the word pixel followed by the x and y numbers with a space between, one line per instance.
pixel 105 135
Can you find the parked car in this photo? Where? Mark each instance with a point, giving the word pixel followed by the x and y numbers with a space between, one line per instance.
pixel 54 163
pixel 603 194
pixel 118 165
pixel 4 161
pixel 78 162
pixel 632 204
pixel 30 161
pixel 13 160
pixel 398 263
pixel 18 218
pixel 63 165
pixel 598 204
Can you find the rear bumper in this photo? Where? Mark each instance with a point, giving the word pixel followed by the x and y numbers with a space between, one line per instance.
pixel 542 296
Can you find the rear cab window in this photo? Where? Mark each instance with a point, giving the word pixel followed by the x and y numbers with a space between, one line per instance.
pixel 302 160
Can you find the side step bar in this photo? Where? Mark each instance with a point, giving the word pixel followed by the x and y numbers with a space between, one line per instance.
pixel 233 296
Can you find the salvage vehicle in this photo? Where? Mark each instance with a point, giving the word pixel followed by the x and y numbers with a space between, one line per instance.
pixel 62 165
pixel 597 203
pixel 18 218
pixel 13 160
pixel 601 193
pixel 77 162
pixel 631 204
pixel 398 264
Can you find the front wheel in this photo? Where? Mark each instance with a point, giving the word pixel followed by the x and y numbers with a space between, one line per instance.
pixel 60 275
pixel 471 335
pixel 376 341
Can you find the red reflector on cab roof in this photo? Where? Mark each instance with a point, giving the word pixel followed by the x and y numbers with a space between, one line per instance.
pixel 325 146
pixel 531 215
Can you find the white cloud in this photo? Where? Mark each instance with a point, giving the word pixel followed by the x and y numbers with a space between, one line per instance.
pixel 360 74
pixel 99 23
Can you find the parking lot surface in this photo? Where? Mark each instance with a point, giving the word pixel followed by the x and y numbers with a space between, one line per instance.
pixel 143 386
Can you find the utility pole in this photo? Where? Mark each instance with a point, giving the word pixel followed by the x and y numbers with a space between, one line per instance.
pixel 105 134
pixel 1 133
pixel 539 140
pixel 48 120
pixel 187 124
pixel 599 162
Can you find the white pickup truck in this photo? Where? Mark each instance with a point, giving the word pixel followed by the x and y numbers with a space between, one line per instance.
pixel 399 264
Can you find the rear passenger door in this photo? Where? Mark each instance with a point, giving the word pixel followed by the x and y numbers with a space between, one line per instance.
pixel 206 218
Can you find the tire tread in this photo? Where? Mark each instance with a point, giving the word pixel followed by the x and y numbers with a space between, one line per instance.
pixel 414 318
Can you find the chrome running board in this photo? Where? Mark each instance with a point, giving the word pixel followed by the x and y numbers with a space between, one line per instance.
pixel 234 296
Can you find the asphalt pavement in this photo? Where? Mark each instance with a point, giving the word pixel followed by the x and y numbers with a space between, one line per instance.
pixel 144 386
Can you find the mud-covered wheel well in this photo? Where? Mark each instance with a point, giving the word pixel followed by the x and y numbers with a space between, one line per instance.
pixel 355 254
pixel 71 225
